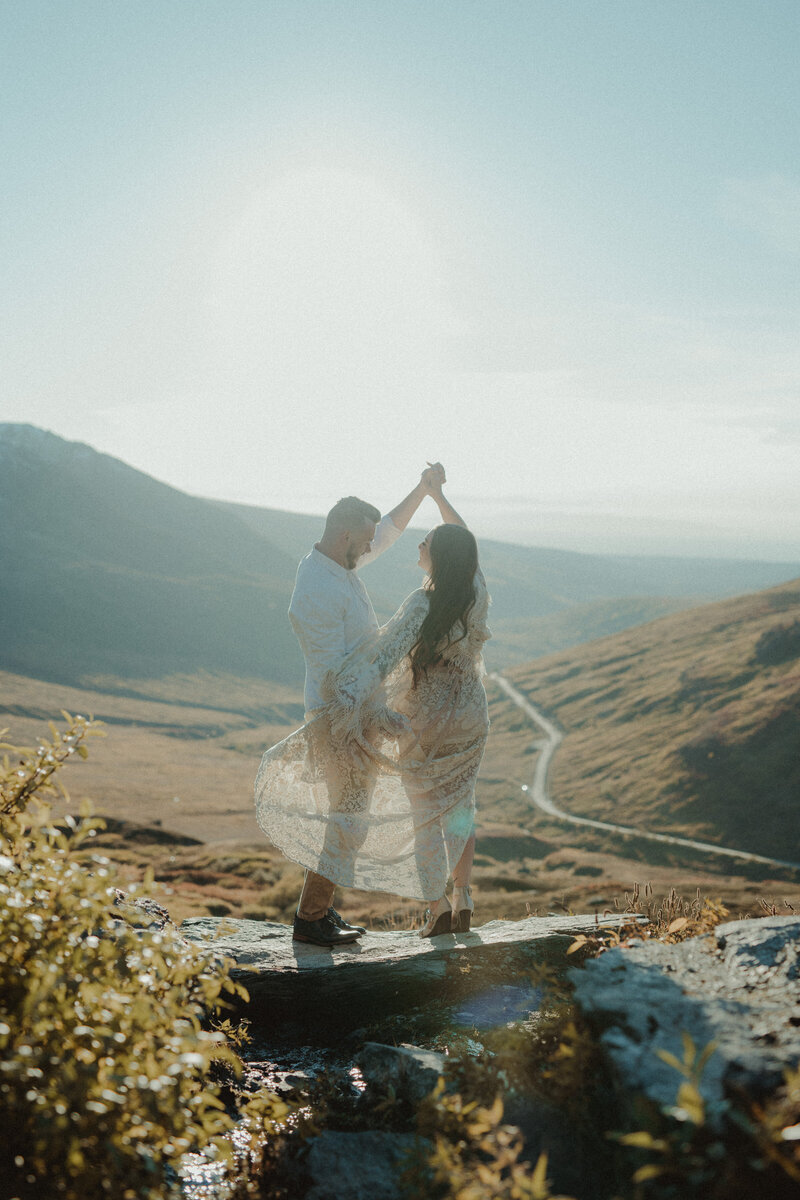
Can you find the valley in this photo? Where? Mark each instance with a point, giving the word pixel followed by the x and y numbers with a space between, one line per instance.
pixel 174 776
pixel 674 682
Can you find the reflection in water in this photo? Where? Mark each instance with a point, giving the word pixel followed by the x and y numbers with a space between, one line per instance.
pixel 498 1006
pixel 204 1178
pixel 202 1175
pixel 292 1064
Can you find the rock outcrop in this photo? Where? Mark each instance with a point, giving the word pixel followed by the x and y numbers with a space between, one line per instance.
pixel 411 1072
pixel 738 987
pixel 381 972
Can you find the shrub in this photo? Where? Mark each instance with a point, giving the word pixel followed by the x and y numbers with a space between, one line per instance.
pixel 474 1156
pixel 103 1080
pixel 673 918
pixel 778 645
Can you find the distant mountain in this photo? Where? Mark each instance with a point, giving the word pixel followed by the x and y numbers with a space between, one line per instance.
pixel 542 599
pixel 690 724
pixel 105 571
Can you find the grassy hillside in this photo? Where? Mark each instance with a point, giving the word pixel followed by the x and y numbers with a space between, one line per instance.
pixel 690 724
pixel 175 776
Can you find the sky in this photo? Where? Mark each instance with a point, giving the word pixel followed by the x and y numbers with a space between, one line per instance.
pixel 278 252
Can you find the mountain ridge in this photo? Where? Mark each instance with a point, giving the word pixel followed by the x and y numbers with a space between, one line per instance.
pixel 111 572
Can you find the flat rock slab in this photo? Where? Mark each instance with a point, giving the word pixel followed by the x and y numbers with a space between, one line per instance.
pixel 738 987
pixel 383 972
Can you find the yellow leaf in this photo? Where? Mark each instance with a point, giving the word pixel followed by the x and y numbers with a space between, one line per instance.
pixel 706 1055
pixel 651 1171
pixel 82 751
pixel 690 1100
pixel 689 1049
pixel 677 925
pixel 642 1139
pixel 671 1060
pixel 539 1177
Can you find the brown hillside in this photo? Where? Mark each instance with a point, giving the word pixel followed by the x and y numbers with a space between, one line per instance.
pixel 690 724
pixel 175 774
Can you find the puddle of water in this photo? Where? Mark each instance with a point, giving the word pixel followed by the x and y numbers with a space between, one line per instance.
pixel 285 1063
pixel 357 1079
pixel 501 1005
pixel 273 1068
pixel 202 1177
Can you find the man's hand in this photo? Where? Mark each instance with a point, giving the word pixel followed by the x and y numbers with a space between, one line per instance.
pixel 433 478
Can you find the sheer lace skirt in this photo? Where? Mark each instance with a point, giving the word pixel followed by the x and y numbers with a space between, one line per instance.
pixel 378 812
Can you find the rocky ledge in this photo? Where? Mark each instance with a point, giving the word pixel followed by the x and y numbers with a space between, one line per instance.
pixel 738 987
pixel 381 972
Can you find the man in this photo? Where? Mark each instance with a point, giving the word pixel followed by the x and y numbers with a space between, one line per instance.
pixel 331 614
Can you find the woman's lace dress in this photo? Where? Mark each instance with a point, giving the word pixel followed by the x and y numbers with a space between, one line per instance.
pixel 377 791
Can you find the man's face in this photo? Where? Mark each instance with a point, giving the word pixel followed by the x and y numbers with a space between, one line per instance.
pixel 360 542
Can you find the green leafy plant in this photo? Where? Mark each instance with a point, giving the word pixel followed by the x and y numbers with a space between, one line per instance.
pixel 474 1155
pixel 685 1153
pixel 775 1126
pixel 29 772
pixel 104 1080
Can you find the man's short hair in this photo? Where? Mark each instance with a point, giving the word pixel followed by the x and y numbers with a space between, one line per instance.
pixel 350 513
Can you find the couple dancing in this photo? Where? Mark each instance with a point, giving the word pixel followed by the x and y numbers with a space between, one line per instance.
pixel 376 791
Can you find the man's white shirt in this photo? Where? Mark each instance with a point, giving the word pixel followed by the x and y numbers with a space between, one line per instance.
pixel 331 612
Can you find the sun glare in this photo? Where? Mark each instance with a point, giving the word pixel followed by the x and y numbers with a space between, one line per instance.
pixel 328 266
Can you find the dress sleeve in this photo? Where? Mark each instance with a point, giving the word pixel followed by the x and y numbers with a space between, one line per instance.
pixel 355 692
pixel 479 630
pixel 386 535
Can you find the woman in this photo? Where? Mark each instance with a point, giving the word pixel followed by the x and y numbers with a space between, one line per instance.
pixel 378 791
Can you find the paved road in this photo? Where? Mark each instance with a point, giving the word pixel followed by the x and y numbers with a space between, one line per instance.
pixel 541 799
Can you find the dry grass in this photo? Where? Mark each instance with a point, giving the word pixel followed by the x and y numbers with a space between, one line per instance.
pixel 677 726
pixel 171 768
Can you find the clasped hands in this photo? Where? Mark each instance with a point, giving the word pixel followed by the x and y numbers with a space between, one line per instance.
pixel 433 478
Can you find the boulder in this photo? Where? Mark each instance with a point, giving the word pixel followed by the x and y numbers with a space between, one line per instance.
pixel 738 987
pixel 359 1166
pixel 410 1071
pixel 140 912
pixel 379 973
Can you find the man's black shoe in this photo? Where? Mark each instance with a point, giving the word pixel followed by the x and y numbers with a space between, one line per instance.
pixel 340 922
pixel 321 933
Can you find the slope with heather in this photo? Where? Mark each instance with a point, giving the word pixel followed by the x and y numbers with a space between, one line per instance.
pixel 690 724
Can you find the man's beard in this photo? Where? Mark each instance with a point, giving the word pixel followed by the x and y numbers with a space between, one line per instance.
pixel 351 558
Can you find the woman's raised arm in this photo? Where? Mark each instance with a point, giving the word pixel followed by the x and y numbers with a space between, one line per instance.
pixel 447 512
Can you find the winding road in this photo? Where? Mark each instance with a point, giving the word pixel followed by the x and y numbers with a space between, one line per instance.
pixel 538 791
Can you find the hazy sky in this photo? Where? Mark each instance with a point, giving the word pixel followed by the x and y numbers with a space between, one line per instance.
pixel 278 252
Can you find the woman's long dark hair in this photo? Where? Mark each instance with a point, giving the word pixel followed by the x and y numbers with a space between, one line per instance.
pixel 454 561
